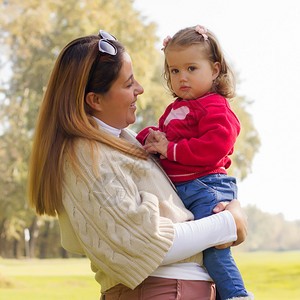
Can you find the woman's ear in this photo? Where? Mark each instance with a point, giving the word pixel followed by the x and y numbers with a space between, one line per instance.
pixel 94 101
pixel 216 68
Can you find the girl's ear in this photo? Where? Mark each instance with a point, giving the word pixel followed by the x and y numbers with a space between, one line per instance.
pixel 216 68
pixel 94 101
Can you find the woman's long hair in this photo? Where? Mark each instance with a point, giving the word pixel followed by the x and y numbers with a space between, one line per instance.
pixel 64 117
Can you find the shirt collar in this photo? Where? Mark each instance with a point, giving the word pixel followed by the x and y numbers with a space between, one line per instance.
pixel 115 131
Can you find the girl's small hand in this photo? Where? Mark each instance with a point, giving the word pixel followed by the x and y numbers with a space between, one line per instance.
pixel 158 147
pixel 153 136
pixel 160 144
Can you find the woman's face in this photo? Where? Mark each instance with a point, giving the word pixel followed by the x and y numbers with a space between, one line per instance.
pixel 118 105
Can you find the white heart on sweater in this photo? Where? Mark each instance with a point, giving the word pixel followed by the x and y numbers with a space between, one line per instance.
pixel 177 114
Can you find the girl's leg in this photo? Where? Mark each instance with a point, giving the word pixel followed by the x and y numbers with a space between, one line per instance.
pixel 222 268
pixel 200 196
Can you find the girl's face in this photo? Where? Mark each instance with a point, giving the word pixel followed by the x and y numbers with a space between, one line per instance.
pixel 118 105
pixel 191 73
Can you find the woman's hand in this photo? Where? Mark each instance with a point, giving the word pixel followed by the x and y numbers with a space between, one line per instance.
pixel 241 221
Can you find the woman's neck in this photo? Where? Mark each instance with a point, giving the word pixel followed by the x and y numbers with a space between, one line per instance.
pixel 115 131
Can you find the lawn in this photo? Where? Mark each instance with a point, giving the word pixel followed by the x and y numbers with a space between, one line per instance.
pixel 269 275
pixel 55 279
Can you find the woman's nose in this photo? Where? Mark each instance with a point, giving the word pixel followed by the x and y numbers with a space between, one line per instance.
pixel 139 89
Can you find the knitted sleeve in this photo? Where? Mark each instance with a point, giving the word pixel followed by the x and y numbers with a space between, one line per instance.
pixel 118 226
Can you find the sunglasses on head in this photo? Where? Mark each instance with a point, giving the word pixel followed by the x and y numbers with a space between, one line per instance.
pixel 105 46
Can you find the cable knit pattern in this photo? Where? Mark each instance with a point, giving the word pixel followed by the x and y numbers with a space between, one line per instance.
pixel 120 213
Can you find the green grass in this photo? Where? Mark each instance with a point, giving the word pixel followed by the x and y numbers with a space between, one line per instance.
pixel 269 275
pixel 55 279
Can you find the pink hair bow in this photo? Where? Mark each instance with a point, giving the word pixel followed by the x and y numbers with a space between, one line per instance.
pixel 165 42
pixel 202 30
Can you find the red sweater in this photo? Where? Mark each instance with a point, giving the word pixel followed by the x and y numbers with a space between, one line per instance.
pixel 202 134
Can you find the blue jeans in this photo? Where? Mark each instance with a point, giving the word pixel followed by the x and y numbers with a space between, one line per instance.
pixel 200 196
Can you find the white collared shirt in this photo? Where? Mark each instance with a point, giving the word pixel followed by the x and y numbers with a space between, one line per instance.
pixel 115 131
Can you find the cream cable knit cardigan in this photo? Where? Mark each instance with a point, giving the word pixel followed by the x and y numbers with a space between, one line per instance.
pixel 120 213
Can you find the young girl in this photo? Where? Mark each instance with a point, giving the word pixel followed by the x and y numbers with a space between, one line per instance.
pixel 196 135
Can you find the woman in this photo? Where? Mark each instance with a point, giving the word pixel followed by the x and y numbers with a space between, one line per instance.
pixel 113 201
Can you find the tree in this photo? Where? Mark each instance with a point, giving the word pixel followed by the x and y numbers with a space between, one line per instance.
pixel 33 32
pixel 270 232
pixel 14 154
pixel 247 143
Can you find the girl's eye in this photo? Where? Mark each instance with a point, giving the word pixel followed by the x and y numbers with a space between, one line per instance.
pixel 174 71
pixel 191 68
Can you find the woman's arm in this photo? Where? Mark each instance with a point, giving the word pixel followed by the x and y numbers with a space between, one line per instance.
pixel 195 236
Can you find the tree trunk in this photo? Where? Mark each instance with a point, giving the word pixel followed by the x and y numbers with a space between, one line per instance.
pixel 44 237
pixel 3 239
pixel 17 249
pixel 34 233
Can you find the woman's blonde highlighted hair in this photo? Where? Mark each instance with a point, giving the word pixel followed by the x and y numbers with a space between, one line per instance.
pixel 225 82
pixel 64 117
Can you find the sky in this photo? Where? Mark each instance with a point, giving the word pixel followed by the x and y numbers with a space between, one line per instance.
pixel 261 41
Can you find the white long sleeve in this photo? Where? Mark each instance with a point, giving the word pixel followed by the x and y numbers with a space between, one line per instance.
pixel 195 236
